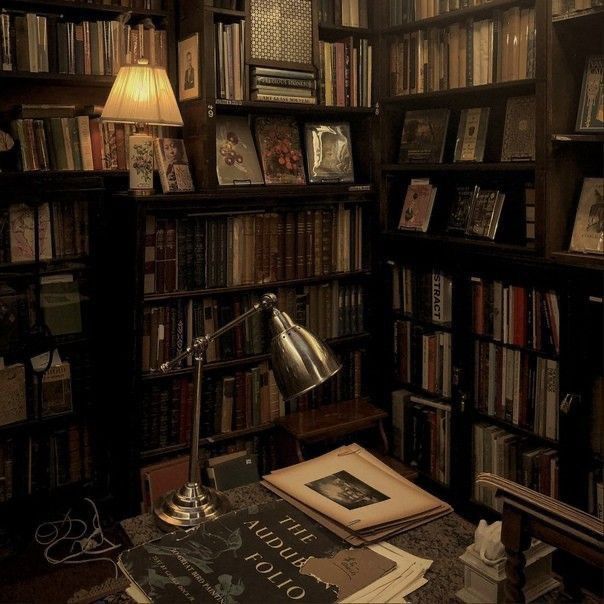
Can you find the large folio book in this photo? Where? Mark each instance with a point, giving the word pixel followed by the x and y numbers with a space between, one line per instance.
pixel 254 555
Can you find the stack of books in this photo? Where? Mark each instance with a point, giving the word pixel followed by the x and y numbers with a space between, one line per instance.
pixel 230 60
pixel 283 86
pixel 355 495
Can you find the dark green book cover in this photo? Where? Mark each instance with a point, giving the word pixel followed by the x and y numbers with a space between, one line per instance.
pixel 251 555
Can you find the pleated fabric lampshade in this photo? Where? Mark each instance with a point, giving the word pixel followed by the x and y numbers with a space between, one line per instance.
pixel 142 95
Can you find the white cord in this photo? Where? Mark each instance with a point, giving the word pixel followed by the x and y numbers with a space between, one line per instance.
pixel 88 546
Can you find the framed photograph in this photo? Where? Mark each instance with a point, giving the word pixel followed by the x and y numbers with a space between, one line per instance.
pixel 423 137
pixel 173 165
pixel 189 73
pixel 472 134
pixel 588 230
pixel 590 116
pixel 329 153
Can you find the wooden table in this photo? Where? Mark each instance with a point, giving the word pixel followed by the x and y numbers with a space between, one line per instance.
pixel 332 421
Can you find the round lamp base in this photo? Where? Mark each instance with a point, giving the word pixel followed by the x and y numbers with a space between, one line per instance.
pixel 190 506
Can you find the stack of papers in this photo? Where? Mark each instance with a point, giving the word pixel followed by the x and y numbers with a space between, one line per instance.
pixel 398 583
pixel 356 496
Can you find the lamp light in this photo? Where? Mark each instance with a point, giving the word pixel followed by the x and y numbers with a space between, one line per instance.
pixel 142 95
pixel 300 362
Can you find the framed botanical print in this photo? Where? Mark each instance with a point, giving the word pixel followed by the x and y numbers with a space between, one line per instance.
pixel 189 72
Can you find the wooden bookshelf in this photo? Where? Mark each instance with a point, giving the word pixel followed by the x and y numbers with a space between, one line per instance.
pixel 79 8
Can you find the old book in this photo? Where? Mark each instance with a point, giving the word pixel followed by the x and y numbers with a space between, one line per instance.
pixel 519 130
pixel 486 210
pixel 278 142
pixel 459 211
pixel 56 390
pixel 329 152
pixel 237 471
pixel 60 302
pixel 424 134
pixel 173 165
pixel 417 207
pixel 472 134
pixel 236 158
pixel 590 115
pixel 14 403
pixel 588 230
pixel 22 238
pixel 244 554
pixel 160 478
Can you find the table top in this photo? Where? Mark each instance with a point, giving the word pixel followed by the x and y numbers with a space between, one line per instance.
pixel 442 540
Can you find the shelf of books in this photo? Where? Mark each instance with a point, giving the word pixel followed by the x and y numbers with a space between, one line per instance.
pixel 47 341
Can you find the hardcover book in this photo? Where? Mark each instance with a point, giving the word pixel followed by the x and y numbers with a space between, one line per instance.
pixel 236 158
pixel 329 153
pixel 424 134
pixel 417 207
pixel 255 554
pixel 56 390
pixel 12 385
pixel 173 165
pixel 472 134
pixel 519 130
pixel 461 206
pixel 485 213
pixel 588 230
pixel 590 116
pixel 278 142
pixel 22 238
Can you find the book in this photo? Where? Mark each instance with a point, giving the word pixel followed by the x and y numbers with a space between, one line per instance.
pixel 60 301
pixel 424 134
pixel 590 114
pixel 56 390
pixel 485 213
pixel 14 403
pixel 173 165
pixel 278 142
pixel 235 472
pixel 417 207
pixel 472 134
pixel 588 229
pixel 519 130
pixel 329 152
pixel 22 238
pixel 461 206
pixel 256 553
pixel 160 478
pixel 236 157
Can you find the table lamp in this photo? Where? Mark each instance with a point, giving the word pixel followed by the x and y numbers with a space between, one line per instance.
pixel 142 95
pixel 300 363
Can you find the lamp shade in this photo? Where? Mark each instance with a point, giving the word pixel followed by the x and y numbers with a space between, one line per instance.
pixel 300 361
pixel 142 94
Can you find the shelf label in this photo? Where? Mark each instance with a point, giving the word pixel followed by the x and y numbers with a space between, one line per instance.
pixel 353 188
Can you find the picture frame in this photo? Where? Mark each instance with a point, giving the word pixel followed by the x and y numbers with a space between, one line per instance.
pixel 590 113
pixel 588 229
pixel 423 136
pixel 189 68
pixel 329 153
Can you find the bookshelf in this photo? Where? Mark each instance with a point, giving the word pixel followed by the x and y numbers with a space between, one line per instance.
pixel 562 159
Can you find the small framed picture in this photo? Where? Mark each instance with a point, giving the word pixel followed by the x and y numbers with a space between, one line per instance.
pixel 189 75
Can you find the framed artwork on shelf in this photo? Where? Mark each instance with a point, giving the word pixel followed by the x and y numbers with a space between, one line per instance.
pixel 423 137
pixel 188 68
pixel 588 230
pixel 590 116
pixel 329 153
pixel 173 165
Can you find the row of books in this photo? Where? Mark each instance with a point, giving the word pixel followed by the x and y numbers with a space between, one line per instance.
pixel 346 72
pixel 219 251
pixel 426 438
pixel 44 462
pixel 348 13
pixel 329 310
pixel 62 231
pixel 426 295
pixel 564 7
pixel 517 387
pixel 245 399
pixel 283 86
pixel 43 43
pixel 136 4
pixel 517 315
pixel 513 457
pixel 230 60
pixel 70 142
pixel 468 53
pixel 408 11
pixel 422 357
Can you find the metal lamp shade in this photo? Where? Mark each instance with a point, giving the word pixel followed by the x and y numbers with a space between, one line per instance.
pixel 300 361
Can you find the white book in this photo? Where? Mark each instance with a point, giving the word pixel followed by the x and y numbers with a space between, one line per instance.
pixel 42 38
pixel 32 41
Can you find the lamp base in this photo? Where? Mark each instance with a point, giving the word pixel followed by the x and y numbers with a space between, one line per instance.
pixel 190 506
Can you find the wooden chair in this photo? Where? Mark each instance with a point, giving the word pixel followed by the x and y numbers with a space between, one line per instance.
pixel 528 514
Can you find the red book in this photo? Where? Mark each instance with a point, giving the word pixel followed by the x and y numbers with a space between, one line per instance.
pixel 96 140
pixel 340 66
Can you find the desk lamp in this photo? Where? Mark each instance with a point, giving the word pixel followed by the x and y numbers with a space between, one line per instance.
pixel 141 95
pixel 300 363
